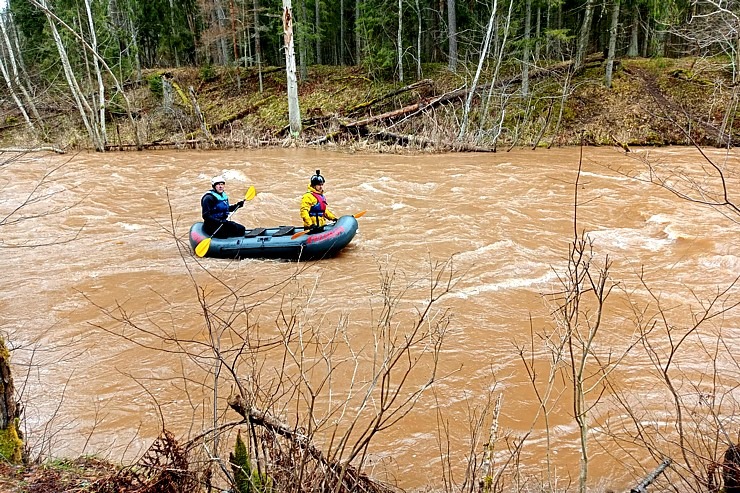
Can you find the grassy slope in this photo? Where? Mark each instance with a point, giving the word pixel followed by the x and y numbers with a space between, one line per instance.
pixel 239 113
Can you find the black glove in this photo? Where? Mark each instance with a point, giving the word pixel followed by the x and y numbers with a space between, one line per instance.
pixel 240 203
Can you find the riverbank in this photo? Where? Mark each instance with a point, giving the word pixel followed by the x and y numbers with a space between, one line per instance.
pixel 651 102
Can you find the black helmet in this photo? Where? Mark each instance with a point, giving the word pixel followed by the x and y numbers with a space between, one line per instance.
pixel 317 179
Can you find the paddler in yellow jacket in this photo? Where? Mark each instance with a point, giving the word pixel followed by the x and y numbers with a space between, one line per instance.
pixel 313 204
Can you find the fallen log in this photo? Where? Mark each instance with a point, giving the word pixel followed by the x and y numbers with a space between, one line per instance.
pixel 410 87
pixel 460 93
pixel 342 473
pixel 24 150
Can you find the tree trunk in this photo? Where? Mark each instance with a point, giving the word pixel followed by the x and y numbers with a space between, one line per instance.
pixel 612 43
pixel 74 88
pixel 17 67
pixel 303 40
pixel 257 42
pixel 494 79
pixel 317 32
pixel 584 34
pixel 294 110
pixel 526 51
pixel 98 75
pixel 172 32
pixel 223 45
pixel 82 106
pixel 481 61
pixel 452 35
pixel 14 95
pixel 399 40
pixel 418 40
pixel 11 443
pixel 358 33
pixel 537 34
pixel 634 49
pixel 342 39
pixel 232 14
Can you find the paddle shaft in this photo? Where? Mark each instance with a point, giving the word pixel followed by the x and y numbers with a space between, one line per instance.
pixel 301 233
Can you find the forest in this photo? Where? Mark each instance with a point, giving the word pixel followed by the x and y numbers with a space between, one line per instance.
pixel 502 73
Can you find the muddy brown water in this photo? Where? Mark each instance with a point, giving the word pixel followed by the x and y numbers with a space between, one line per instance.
pixel 91 385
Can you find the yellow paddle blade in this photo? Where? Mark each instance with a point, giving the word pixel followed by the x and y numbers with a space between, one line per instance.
pixel 359 214
pixel 202 247
pixel 251 192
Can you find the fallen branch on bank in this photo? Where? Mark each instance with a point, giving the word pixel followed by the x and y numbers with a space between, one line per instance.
pixel 364 105
pixel 361 127
pixel 23 150
pixel 349 478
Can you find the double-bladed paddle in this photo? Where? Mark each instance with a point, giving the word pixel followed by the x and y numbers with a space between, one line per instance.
pixel 203 246
pixel 305 232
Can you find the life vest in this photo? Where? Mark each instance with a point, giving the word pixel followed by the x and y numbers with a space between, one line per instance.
pixel 220 211
pixel 318 209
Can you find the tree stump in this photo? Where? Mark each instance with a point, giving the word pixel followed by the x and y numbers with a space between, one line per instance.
pixel 11 445
pixel 731 469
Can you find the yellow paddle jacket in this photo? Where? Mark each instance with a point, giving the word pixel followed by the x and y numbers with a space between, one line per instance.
pixel 311 210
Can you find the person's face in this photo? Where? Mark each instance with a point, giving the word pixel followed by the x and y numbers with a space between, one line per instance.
pixel 219 187
pixel 319 187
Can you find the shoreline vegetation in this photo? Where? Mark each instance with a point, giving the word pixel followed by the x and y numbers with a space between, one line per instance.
pixel 652 102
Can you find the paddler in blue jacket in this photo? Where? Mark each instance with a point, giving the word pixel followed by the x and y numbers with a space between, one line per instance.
pixel 216 209
pixel 314 211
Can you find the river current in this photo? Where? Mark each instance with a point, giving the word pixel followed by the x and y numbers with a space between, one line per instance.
pixel 103 238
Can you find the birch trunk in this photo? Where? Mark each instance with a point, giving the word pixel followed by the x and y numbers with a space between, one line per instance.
pixel 16 66
pixel 83 107
pixel 494 79
pixel 98 75
pixel 294 110
pixel 399 40
pixel 14 95
pixel 481 61
pixel 52 18
pixel 612 43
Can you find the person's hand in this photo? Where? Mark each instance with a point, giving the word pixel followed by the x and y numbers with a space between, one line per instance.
pixel 240 203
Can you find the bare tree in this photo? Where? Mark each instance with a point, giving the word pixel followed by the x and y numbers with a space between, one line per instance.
pixel 481 61
pixel 88 115
pixel 452 34
pixel 583 35
pixel 301 383
pixel 294 109
pixel 614 24
pixel 9 65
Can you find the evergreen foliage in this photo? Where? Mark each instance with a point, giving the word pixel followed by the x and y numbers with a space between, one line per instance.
pixel 246 479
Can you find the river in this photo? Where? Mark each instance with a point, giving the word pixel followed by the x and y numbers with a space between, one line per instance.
pixel 104 239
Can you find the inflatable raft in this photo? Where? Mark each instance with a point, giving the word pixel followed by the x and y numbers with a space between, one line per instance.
pixel 276 243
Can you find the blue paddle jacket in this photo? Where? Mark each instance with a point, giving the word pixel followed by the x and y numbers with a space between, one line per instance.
pixel 215 207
